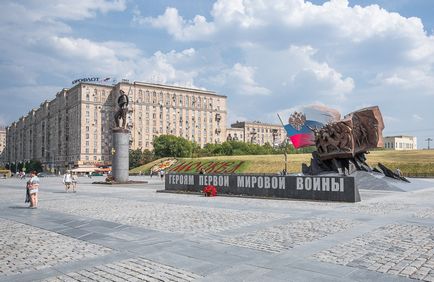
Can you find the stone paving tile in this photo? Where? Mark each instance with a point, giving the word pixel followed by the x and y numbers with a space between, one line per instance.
pixel 255 202
pixel 135 269
pixel 378 208
pixel 162 216
pixel 425 213
pixel 282 237
pixel 405 250
pixel 25 248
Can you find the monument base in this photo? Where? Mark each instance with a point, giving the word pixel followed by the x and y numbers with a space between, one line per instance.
pixel 120 163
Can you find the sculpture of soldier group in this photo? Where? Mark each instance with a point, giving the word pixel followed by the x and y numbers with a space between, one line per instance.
pixel 341 146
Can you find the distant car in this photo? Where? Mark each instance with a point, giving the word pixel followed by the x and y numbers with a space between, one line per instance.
pixel 42 174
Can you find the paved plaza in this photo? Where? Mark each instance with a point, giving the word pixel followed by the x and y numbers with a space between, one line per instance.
pixel 132 233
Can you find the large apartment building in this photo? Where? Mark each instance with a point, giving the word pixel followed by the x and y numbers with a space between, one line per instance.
pixel 256 132
pixel 74 129
pixel 2 144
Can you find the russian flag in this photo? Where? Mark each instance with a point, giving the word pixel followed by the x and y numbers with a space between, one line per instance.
pixel 303 137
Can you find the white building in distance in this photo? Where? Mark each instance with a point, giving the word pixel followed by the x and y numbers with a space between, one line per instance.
pixel 401 142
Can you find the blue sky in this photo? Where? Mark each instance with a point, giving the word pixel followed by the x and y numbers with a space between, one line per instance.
pixel 267 57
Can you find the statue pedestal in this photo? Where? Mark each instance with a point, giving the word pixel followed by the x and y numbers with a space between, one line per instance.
pixel 120 164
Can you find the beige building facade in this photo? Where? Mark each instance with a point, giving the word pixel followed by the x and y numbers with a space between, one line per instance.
pixel 74 129
pixel 401 142
pixel 2 144
pixel 257 132
pixel 235 134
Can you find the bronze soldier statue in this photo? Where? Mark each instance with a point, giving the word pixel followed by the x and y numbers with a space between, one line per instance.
pixel 123 110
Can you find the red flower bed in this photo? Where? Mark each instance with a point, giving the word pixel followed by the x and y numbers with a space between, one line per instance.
pixel 209 191
pixel 208 166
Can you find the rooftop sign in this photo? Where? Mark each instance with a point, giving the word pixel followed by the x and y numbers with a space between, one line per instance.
pixel 101 80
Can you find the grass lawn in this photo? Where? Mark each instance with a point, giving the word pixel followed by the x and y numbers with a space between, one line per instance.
pixel 412 163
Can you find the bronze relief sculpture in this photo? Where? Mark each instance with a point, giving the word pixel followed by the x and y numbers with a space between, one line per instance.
pixel 341 146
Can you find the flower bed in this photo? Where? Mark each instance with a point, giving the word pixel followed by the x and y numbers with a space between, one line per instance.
pixel 207 166
pixel 163 165
pixel 210 191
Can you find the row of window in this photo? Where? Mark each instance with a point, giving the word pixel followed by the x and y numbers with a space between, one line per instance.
pixel 398 145
pixel 167 99
pixel 263 130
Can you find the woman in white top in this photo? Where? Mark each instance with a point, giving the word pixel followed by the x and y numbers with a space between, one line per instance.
pixel 67 179
pixel 33 190
pixel 74 182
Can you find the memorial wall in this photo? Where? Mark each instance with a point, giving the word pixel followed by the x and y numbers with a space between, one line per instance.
pixel 325 188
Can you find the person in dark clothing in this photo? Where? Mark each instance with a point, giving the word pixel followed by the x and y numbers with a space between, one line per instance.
pixel 27 192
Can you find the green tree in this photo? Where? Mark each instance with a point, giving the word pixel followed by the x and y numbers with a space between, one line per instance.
pixel 196 150
pixel 139 157
pixel 147 156
pixel 172 146
pixel 227 149
pixel 33 165
pixel 135 157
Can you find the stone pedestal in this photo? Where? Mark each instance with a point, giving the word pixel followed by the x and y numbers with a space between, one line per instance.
pixel 120 164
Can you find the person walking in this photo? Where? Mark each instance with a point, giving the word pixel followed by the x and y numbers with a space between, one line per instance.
pixel 33 190
pixel 74 179
pixel 67 180
pixel 162 174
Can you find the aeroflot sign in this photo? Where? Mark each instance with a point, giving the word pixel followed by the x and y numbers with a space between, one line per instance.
pixel 95 80
pixel 328 188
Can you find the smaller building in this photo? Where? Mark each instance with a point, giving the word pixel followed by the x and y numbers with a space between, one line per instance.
pixel 256 132
pixel 2 144
pixel 400 142
pixel 235 134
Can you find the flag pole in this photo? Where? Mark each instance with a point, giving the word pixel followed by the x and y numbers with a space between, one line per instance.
pixel 280 120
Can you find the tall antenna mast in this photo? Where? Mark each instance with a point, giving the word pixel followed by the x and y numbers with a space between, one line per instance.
pixel 428 140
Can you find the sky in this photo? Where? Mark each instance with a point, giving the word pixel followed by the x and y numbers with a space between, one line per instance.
pixel 267 57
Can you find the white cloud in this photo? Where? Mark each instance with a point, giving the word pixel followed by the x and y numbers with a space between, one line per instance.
pixel 125 60
pixel 328 81
pixel 237 12
pixel 38 10
pixel 417 117
pixel 240 79
pixel 176 26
